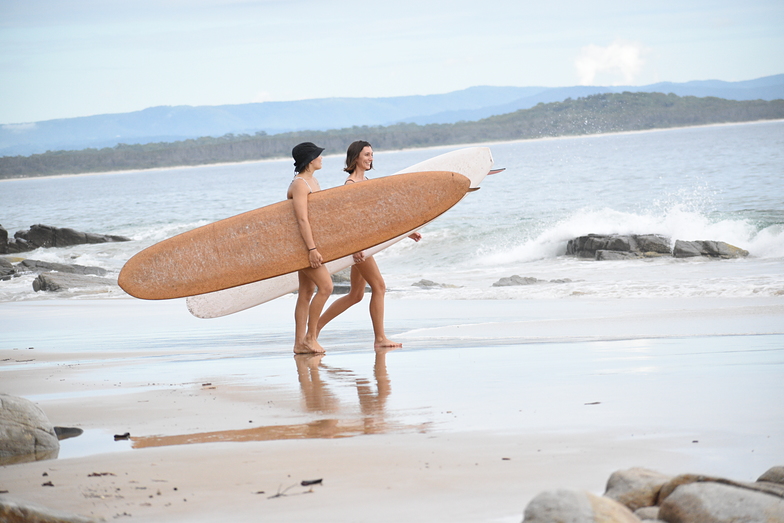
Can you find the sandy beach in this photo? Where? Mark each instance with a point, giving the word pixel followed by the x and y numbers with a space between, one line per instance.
pixel 488 404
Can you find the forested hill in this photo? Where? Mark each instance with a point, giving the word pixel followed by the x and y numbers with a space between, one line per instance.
pixel 601 113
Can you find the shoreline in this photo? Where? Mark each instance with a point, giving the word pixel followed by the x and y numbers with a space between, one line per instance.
pixel 488 404
pixel 477 144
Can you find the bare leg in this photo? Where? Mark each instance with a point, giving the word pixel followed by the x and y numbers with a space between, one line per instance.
pixel 339 306
pixel 378 289
pixel 309 310
pixel 304 295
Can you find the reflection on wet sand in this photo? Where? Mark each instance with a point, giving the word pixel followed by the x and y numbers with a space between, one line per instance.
pixel 318 398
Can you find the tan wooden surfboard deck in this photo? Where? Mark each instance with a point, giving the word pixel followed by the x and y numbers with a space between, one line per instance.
pixel 266 242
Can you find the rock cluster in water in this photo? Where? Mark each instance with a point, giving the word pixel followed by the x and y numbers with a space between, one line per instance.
pixel 47 236
pixel 53 276
pixel 640 495
pixel 630 246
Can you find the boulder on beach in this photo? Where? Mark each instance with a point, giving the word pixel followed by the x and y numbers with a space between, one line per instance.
pixel 648 496
pixel 14 511
pixel 25 432
pixel 636 487
pixel 577 507
pixel 720 503
pixel 47 236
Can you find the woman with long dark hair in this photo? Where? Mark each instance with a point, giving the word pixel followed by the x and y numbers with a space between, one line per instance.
pixel 359 160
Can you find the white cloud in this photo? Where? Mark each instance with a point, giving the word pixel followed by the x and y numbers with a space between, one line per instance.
pixel 621 60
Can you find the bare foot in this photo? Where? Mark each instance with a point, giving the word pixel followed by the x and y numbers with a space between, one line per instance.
pixel 386 343
pixel 308 347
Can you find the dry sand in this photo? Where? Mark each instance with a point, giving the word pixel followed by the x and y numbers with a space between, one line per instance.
pixel 488 404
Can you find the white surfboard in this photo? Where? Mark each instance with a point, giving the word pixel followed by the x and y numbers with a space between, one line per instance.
pixel 473 162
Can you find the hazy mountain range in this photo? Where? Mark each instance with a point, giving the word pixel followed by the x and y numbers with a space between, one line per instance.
pixel 167 123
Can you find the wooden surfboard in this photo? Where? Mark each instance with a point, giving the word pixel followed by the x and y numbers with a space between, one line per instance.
pixel 472 162
pixel 266 242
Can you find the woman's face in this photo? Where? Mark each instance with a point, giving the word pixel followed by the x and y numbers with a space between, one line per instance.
pixel 365 159
pixel 316 164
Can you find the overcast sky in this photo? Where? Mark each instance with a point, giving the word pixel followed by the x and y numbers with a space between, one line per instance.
pixel 62 59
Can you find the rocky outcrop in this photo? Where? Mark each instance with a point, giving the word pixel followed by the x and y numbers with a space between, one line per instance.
pixel 625 247
pixel 41 266
pixel 25 432
pixel 509 281
pixel 683 249
pixel 58 281
pixel 47 236
pixel 430 284
pixel 7 269
pixel 648 496
pixel 642 244
pixel 3 240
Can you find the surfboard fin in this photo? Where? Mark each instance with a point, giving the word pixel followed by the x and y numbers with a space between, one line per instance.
pixel 472 189
pixel 496 171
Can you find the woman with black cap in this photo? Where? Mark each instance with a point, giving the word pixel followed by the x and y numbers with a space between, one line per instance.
pixel 307 160
pixel 359 159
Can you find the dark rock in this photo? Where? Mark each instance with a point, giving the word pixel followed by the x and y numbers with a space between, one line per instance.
pixel 516 280
pixel 41 266
pixel 3 240
pixel 67 432
pixel 586 246
pixel 653 243
pixel 712 502
pixel 713 249
pixel 635 487
pixel 47 236
pixel 643 244
pixel 25 432
pixel 343 276
pixel 16 245
pixel 603 255
pixel 7 269
pixel 429 284
pixel 576 507
pixel 57 281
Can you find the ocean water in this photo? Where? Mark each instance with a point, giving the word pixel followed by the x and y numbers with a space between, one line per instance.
pixel 722 183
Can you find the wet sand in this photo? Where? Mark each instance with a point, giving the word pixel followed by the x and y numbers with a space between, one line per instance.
pixel 487 404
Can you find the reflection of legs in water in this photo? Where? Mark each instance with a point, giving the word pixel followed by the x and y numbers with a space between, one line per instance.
pixel 362 273
pixel 372 405
pixel 314 391
pixel 307 311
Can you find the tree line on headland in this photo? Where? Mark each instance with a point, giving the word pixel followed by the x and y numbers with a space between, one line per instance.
pixel 601 113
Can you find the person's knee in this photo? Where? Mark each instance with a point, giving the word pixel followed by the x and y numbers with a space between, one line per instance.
pixel 378 287
pixel 326 288
pixel 355 296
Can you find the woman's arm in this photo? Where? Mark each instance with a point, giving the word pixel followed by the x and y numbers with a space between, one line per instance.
pixel 299 196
